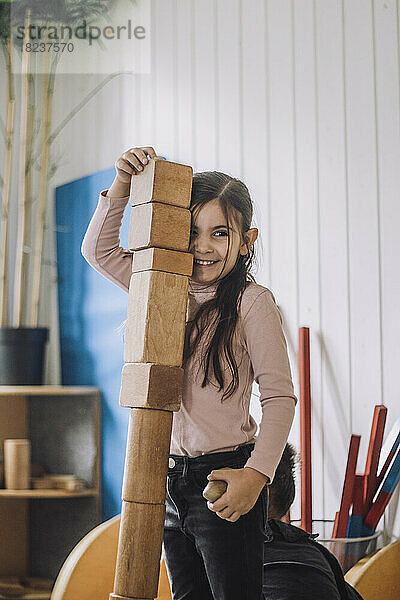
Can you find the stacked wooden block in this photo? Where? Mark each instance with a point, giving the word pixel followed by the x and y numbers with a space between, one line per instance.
pixel 152 376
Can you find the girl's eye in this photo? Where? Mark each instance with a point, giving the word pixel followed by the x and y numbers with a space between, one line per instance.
pixel 222 232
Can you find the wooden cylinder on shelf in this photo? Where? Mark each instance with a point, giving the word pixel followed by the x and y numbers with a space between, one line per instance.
pixel 17 464
pixel 152 377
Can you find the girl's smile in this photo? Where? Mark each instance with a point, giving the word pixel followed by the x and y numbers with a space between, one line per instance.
pixel 204 263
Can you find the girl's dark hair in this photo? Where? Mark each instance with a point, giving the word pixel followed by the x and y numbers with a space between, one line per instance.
pixel 221 312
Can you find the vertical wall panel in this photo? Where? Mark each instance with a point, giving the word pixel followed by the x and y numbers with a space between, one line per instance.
pixel 184 90
pixel 387 80
pixel 283 209
pixel 204 77
pixel 362 206
pixel 228 158
pixel 283 193
pixel 333 238
pixel 164 77
pixel 132 113
pixel 308 259
pixel 254 126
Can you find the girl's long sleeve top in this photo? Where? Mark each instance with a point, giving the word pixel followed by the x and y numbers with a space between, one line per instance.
pixel 204 424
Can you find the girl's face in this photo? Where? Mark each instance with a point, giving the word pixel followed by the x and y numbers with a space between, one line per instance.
pixel 209 242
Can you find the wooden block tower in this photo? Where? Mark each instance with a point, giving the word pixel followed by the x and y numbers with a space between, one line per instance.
pixel 152 376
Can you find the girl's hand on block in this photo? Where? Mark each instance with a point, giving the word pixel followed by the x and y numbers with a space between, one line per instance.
pixel 244 487
pixel 133 162
pixel 129 163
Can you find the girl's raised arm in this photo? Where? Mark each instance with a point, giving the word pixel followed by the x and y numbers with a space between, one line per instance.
pixel 101 244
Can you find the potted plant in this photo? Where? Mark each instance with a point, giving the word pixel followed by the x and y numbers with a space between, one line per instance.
pixel 22 340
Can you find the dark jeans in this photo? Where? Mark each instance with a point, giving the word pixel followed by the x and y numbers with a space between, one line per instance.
pixel 207 557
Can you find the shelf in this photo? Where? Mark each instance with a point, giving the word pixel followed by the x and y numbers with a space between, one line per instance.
pixel 25 588
pixel 46 493
pixel 46 390
pixel 39 527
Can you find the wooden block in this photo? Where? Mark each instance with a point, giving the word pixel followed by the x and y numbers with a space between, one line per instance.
pixel 146 385
pixel 139 550
pixel 160 225
pixel 146 459
pixel 156 318
pixel 160 259
pixel 162 181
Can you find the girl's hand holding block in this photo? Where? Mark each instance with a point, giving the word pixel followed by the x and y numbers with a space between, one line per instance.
pixel 129 163
pixel 238 495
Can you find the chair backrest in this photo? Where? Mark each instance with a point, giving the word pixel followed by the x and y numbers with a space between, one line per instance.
pixel 88 571
pixel 379 577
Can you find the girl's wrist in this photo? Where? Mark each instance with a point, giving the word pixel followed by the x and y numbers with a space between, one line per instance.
pixel 118 189
pixel 257 476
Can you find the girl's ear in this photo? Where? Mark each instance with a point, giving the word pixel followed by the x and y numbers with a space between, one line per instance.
pixel 250 237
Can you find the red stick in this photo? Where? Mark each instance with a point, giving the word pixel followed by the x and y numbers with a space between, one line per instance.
pixel 357 494
pixel 305 429
pixel 334 531
pixel 374 451
pixel 341 523
pixel 355 521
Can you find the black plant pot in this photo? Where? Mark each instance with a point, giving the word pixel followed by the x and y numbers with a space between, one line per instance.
pixel 22 352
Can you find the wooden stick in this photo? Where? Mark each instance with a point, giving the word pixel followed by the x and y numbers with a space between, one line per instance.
pixel 341 523
pixel 374 450
pixel 354 528
pixel 335 525
pixel 305 429
pixel 351 552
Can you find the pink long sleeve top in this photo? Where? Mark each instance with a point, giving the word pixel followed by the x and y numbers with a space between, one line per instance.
pixel 204 424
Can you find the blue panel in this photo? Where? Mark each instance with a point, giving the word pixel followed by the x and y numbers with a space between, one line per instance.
pixel 91 309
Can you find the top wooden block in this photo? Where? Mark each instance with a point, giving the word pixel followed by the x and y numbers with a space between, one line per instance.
pixel 162 181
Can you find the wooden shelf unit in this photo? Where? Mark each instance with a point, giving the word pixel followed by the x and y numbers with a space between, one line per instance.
pixel 43 493
pixel 40 527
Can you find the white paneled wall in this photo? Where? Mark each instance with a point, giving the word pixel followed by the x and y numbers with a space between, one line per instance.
pixel 300 99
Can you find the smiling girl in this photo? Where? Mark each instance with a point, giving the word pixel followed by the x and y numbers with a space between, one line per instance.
pixel 233 337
